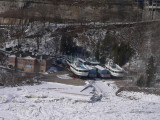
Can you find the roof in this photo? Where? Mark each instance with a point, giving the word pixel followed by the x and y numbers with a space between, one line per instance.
pixel 12 56
pixel 29 58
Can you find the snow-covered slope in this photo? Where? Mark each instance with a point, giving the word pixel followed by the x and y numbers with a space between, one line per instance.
pixel 53 101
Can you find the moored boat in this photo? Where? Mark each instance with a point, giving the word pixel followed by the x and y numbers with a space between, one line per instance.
pixel 92 72
pixel 69 61
pixel 78 68
pixel 92 62
pixel 114 69
pixel 102 72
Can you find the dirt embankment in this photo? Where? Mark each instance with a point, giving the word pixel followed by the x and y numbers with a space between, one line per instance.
pixel 69 81
pixel 125 85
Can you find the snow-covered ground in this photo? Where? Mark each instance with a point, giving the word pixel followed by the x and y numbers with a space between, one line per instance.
pixel 54 101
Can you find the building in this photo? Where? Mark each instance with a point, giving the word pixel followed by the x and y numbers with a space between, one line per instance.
pixel 29 64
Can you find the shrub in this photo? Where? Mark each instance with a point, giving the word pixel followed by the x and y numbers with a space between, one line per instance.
pixel 141 82
pixel 150 71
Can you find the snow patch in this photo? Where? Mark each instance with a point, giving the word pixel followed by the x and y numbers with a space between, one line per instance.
pixel 65 76
pixel 54 101
pixel 52 69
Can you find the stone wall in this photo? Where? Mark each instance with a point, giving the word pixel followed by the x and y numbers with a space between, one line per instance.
pixel 13 21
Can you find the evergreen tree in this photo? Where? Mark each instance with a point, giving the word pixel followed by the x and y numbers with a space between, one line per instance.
pixel 121 53
pixel 97 52
pixel 67 44
pixel 63 44
pixel 108 42
pixel 103 59
pixel 141 81
pixel 150 72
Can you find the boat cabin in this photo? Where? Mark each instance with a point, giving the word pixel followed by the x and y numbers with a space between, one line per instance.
pixel 102 72
pixel 93 62
pixel 92 73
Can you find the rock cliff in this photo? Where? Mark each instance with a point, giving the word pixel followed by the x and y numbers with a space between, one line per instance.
pixel 65 11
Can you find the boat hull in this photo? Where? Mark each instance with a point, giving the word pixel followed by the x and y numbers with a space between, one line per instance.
pixel 105 75
pixel 92 75
pixel 115 73
pixel 79 72
pixel 68 62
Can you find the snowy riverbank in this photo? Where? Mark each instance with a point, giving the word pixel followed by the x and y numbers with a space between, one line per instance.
pixel 54 101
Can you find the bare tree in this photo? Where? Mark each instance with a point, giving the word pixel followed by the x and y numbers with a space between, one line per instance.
pixel 18 32
pixel 38 37
pixel 54 45
pixel 3 37
pixel 3 58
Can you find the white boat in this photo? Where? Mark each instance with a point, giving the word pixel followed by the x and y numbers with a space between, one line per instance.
pixel 78 68
pixel 69 61
pixel 92 62
pixel 114 69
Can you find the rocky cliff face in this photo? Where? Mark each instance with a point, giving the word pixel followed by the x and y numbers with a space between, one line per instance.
pixel 64 11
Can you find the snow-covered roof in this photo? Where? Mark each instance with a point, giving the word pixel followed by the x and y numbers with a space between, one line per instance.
pixel 94 62
pixel 81 60
pixel 29 58
pixel 100 67
pixel 12 56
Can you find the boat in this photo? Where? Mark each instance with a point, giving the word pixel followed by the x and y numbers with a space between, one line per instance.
pixel 69 61
pixel 92 72
pixel 78 67
pixel 92 62
pixel 102 72
pixel 114 69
